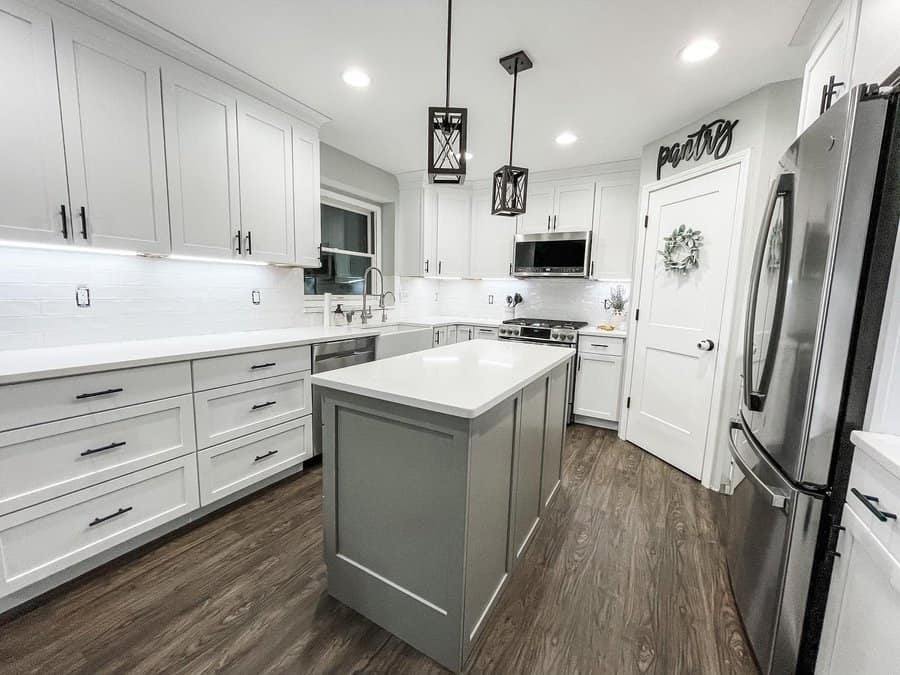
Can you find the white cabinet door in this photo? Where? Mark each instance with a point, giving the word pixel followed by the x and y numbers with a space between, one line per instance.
pixel 410 253
pixel 492 239
pixel 201 156
pixel 612 245
pixel 464 333
pixel 33 188
pixel 859 634
pixel 452 335
pixel 597 386
pixel 539 207
pixel 440 336
pixel 574 210
pixel 831 56
pixel 267 201
pixel 452 214
pixel 113 128
pixel 877 46
pixel 307 208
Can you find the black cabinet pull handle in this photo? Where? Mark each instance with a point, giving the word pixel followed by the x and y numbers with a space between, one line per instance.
pixel 548 223
pixel 249 243
pixel 262 365
pixel 97 521
pixel 263 405
pixel 440 266
pixel 426 265
pixel 868 500
pixel 92 394
pixel 240 240
pixel 65 219
pixel 83 215
pixel 268 454
pixel 105 447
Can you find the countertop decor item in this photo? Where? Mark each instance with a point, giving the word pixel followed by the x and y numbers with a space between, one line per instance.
pixel 447 133
pixel 681 249
pixel 510 182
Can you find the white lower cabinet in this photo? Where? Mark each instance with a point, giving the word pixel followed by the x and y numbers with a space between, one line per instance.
pixel 597 380
pixel 860 629
pixel 226 468
pixel 440 336
pixel 43 539
pixel 464 333
pixel 485 333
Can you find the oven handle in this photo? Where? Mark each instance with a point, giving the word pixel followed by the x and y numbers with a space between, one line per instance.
pixel 776 497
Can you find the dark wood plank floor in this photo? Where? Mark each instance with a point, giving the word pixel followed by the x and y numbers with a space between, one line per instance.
pixel 624 576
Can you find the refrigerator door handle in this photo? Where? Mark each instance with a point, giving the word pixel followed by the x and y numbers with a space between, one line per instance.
pixel 777 498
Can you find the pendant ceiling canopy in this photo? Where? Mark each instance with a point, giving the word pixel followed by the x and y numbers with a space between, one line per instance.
pixel 510 183
pixel 447 133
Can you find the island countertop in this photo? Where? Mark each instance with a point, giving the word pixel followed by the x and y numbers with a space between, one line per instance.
pixel 464 380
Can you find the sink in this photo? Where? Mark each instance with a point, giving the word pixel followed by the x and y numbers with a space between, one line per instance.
pixel 399 327
pixel 402 338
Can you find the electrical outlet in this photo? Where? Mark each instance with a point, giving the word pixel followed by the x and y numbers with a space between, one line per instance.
pixel 490 299
pixel 255 297
pixel 83 296
pixel 435 296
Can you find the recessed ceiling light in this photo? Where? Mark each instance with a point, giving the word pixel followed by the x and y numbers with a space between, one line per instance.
pixel 699 50
pixel 566 138
pixel 356 78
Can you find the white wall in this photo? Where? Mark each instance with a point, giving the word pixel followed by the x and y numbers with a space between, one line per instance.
pixel 136 298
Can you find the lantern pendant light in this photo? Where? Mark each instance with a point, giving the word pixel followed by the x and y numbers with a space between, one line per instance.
pixel 511 182
pixel 447 133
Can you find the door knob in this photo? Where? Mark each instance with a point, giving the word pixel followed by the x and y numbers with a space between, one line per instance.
pixel 706 345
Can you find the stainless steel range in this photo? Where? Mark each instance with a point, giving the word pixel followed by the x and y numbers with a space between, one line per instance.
pixel 548 332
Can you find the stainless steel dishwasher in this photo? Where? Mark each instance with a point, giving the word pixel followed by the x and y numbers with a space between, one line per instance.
pixel 331 356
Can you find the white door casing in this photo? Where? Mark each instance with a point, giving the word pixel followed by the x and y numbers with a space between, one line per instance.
pixel 673 385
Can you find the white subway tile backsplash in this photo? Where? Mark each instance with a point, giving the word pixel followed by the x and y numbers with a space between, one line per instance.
pixel 134 298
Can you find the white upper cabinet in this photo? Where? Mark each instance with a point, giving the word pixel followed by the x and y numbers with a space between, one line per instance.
pixel 113 129
pixel 539 205
pixel 201 156
pixel 452 214
pixel 612 244
pixel 574 210
pixel 877 47
pixel 410 252
pixel 307 209
pixel 492 239
pixel 266 177
pixel 33 187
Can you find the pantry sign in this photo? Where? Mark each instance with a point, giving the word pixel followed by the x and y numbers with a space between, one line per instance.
pixel 713 138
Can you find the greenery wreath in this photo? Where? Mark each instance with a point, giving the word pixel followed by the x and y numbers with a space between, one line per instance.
pixel 681 249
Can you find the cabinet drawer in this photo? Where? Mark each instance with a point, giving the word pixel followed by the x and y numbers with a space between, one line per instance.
pixel 48 460
pixel 228 467
pixel 46 400
pixel 590 344
pixel 43 539
pixel 222 371
pixel 870 478
pixel 230 412
pixel 485 333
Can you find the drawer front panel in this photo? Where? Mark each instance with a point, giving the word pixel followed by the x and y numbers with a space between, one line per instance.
pixel 49 460
pixel 43 539
pixel 30 403
pixel 590 344
pixel 222 371
pixel 226 468
pixel 231 412
pixel 872 480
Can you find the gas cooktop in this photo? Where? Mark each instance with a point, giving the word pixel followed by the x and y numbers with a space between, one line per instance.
pixel 553 331
pixel 547 323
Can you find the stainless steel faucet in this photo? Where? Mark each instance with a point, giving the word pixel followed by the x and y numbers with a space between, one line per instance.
pixel 367 311
pixel 382 305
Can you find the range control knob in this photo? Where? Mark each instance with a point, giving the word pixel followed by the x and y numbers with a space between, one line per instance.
pixel 554 335
pixel 570 337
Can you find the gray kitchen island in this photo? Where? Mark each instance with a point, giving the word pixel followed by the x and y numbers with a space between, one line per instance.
pixel 437 468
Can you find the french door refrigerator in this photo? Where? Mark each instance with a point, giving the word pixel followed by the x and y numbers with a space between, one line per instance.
pixel 814 308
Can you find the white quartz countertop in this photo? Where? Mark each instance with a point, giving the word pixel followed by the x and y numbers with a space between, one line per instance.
pixel 436 321
pixel 464 379
pixel 883 448
pixel 599 332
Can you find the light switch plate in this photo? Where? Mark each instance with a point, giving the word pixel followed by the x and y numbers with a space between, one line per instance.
pixel 255 297
pixel 83 296
pixel 490 299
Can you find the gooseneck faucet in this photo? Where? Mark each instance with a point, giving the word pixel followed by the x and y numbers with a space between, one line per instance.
pixel 367 311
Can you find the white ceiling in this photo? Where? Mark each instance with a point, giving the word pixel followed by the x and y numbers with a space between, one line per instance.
pixel 605 69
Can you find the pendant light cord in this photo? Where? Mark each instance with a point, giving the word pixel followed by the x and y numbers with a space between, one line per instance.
pixel 449 24
pixel 512 124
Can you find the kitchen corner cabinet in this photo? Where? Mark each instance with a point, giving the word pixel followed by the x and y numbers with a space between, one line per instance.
pixel 201 155
pixel 307 209
pixel 110 96
pixel 266 178
pixel 565 206
pixel 33 188
pixel 492 239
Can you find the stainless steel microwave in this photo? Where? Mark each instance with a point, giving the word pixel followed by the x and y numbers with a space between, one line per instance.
pixel 552 254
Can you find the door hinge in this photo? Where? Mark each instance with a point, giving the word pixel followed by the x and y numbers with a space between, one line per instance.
pixel 637 314
pixel 628 402
pixel 646 220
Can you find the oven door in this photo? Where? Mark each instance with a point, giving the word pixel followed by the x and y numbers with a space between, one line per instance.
pixel 552 254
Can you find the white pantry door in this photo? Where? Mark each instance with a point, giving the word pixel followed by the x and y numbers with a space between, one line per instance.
pixel 672 378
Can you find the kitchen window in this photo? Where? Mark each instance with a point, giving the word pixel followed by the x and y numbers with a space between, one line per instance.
pixel 351 230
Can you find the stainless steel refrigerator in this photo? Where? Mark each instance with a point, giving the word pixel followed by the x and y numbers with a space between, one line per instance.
pixel 814 309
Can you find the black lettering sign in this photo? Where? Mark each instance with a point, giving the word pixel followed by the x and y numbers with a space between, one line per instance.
pixel 713 138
